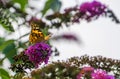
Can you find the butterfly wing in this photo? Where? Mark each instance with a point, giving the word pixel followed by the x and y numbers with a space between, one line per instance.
pixel 36 36
pixel 47 37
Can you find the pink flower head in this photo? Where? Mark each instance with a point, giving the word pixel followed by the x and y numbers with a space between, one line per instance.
pixel 38 53
pixel 101 74
pixel 94 73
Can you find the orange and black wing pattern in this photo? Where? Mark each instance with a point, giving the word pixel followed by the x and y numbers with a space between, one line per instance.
pixel 36 35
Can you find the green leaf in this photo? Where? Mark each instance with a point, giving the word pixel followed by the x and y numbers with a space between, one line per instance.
pixel 8 27
pixel 10 51
pixel 1 40
pixel 6 43
pixel 4 74
pixel 45 31
pixel 22 44
pixel 55 5
pixel 22 3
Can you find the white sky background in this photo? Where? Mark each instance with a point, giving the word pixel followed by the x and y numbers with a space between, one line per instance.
pixel 100 37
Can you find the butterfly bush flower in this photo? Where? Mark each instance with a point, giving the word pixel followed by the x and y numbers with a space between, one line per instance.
pixel 39 53
pixel 94 73
pixel 100 74
pixel 91 9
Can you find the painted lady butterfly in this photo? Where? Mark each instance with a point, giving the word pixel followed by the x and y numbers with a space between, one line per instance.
pixel 36 35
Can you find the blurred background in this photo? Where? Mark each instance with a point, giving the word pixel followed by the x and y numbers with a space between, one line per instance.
pixel 99 37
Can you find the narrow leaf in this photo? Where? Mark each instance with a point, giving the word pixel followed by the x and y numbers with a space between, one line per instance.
pixel 1 40
pixel 55 5
pixel 8 26
pixel 22 3
pixel 4 74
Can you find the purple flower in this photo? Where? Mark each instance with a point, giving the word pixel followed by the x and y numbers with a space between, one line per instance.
pixel 85 7
pixel 39 53
pixel 94 73
pixel 101 74
pixel 91 9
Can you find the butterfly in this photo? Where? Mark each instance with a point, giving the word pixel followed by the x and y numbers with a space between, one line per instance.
pixel 36 34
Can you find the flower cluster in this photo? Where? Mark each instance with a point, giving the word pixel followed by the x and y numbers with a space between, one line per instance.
pixel 100 74
pixel 84 67
pixel 56 70
pixel 21 63
pixel 92 9
pixel 92 73
pixel 38 53
pixel 86 11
